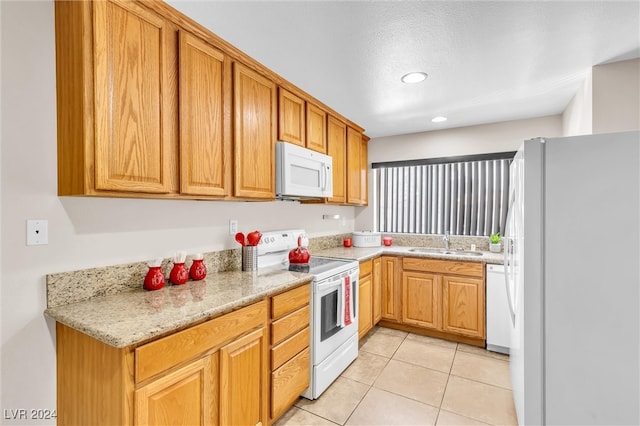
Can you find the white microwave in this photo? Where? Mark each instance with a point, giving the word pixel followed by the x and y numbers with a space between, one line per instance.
pixel 302 173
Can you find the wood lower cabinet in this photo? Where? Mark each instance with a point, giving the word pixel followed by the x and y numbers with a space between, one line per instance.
pixel 390 288
pixel 205 118
pixel 444 297
pixel 254 100
pixel 370 295
pixel 183 397
pixel 376 281
pixel 421 299
pixel 463 306
pixel 290 353
pixel 215 372
pixel 365 298
pixel 244 380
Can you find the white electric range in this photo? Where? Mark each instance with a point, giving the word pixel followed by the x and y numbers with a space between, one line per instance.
pixel 334 305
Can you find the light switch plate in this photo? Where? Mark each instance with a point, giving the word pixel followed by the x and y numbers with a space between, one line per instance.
pixel 37 232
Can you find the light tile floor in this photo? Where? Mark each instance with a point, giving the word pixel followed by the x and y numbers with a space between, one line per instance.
pixel 402 378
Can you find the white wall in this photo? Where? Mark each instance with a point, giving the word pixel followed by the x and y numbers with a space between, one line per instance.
pixel 481 139
pixel 83 232
pixel 616 96
pixel 577 116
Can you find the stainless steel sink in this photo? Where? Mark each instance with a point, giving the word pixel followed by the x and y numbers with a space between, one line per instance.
pixel 445 251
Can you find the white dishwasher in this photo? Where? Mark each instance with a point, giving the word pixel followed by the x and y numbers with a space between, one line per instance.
pixel 498 327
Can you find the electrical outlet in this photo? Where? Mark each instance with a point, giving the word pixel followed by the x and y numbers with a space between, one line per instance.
pixel 37 232
pixel 233 226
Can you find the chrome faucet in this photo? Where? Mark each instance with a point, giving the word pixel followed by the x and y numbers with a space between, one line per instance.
pixel 446 239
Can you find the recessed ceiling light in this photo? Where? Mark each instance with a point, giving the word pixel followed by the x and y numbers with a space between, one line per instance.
pixel 438 119
pixel 414 77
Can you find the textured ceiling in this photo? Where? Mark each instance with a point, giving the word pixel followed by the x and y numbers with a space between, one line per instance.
pixel 487 61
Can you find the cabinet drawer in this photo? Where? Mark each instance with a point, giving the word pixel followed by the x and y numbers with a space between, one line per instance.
pixel 473 269
pixel 287 349
pixel 290 324
pixel 157 356
pixel 290 301
pixel 288 382
pixel 365 267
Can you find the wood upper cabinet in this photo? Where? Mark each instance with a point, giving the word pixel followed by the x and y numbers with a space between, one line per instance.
pixel 152 105
pixel 205 118
pixel 182 397
pixel 116 66
pixel 354 185
pixel 364 171
pixel 376 282
pixel 301 122
pixel 337 149
pixel 463 307
pixel 291 118
pixel 316 128
pixel 255 133
pixel 391 288
pixel 421 299
pixel 134 98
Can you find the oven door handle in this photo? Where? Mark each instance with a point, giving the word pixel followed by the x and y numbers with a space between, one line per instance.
pixel 340 316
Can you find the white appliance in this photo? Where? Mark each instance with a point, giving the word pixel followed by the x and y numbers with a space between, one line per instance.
pixel 498 318
pixel 571 248
pixel 366 239
pixel 302 173
pixel 334 306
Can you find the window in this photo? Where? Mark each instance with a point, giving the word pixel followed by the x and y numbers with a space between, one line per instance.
pixel 465 195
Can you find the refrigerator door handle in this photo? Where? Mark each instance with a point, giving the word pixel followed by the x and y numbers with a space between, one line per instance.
pixel 508 250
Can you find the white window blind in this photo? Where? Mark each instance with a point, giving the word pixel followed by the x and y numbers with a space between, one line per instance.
pixel 468 197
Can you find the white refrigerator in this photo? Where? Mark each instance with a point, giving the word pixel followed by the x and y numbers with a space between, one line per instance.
pixel 572 268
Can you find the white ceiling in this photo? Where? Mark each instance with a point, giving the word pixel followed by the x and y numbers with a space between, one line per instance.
pixel 487 61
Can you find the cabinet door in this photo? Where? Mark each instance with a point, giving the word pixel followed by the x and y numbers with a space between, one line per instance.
pixel 254 133
pixel 365 306
pixel 243 380
pixel 288 382
pixel 316 129
pixel 463 306
pixel 364 171
pixel 291 118
pixel 376 282
pixel 421 299
pixel 205 133
pixel 134 98
pixel 391 289
pixel 337 149
pixel 354 146
pixel 183 397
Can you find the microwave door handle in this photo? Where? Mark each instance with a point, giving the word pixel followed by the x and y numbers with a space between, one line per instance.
pixel 324 176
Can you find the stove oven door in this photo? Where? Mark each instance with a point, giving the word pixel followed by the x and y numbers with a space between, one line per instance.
pixel 335 311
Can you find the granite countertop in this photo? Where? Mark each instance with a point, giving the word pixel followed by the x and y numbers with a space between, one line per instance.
pixel 364 253
pixel 132 317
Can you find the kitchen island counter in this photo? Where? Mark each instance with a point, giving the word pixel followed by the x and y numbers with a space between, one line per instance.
pixel 363 253
pixel 136 316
